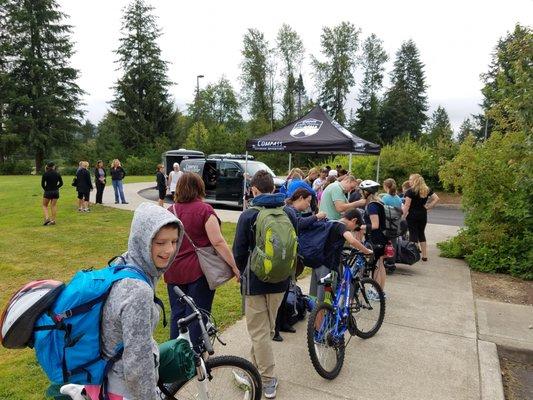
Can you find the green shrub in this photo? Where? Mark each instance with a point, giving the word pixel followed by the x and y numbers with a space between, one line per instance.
pixel 19 167
pixel 139 166
pixel 496 180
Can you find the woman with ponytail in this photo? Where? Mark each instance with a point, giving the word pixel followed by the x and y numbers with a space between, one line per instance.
pixel 416 208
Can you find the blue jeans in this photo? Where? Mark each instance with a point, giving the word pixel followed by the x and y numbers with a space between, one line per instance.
pixel 119 190
pixel 202 296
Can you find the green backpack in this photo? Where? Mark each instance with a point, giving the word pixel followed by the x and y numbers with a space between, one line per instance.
pixel 274 255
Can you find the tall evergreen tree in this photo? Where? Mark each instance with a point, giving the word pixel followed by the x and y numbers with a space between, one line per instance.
pixel 405 103
pixel 466 129
pixel 302 101
pixel 291 49
pixel 142 102
pixel 439 127
pixel 373 60
pixel 44 102
pixel 335 76
pixel 507 101
pixel 256 74
pixel 7 141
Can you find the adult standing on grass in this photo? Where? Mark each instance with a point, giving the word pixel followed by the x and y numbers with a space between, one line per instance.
pixel 201 227
pixel 99 181
pixel 161 184
pixel 334 201
pixel 416 210
pixel 51 181
pixel 117 175
pixel 83 186
pixel 174 177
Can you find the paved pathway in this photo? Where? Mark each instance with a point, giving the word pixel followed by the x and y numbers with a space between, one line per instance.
pixel 429 347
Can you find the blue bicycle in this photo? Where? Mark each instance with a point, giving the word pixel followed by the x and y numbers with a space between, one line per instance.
pixel 357 306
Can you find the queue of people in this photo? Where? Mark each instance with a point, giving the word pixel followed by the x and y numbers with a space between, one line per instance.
pixel 157 247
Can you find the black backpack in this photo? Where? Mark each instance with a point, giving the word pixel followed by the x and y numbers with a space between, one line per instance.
pixel 294 308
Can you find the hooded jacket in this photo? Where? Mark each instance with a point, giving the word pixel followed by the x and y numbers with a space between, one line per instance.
pixel 130 314
pixel 245 240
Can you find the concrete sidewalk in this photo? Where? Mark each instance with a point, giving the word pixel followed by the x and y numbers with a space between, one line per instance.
pixel 427 348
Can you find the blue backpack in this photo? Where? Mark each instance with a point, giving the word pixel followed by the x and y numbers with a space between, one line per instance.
pixel 67 339
pixel 312 241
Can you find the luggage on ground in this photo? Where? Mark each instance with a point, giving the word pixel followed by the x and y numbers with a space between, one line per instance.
pixel 406 252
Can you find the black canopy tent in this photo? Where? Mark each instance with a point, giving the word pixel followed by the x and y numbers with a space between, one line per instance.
pixel 315 132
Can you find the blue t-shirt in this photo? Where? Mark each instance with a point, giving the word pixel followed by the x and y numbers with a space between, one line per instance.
pixel 393 201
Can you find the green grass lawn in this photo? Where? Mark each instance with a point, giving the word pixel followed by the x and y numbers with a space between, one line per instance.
pixel 30 251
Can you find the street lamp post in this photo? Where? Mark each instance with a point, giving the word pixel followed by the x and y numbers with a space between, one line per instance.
pixel 197 110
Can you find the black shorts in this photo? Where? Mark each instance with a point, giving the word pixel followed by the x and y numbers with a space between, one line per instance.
pixel 162 194
pixel 51 194
pixel 83 195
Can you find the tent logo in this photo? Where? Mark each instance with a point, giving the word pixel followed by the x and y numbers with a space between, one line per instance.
pixel 305 128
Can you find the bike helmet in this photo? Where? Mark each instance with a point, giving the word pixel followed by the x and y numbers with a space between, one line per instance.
pixel 23 309
pixel 369 186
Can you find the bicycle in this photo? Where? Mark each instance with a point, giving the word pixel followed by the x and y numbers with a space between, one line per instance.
pixel 222 377
pixel 357 306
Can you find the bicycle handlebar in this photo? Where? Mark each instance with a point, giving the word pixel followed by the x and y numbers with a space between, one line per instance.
pixel 190 318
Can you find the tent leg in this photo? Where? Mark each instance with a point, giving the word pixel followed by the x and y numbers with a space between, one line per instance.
pixel 290 162
pixel 244 177
pixel 377 172
pixel 350 164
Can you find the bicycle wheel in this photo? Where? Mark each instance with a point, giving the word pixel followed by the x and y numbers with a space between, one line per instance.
pixel 229 378
pixel 325 349
pixel 367 312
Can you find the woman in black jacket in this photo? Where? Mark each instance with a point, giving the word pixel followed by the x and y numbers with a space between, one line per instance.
pixel 51 181
pixel 83 186
pixel 99 181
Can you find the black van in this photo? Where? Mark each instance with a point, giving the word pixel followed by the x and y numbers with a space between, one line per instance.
pixel 177 156
pixel 223 176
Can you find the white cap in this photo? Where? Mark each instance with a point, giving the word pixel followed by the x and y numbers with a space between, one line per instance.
pixel 333 172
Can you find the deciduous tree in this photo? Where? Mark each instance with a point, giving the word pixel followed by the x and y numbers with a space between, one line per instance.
pixel 335 75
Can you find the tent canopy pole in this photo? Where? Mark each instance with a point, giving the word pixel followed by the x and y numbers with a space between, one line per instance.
pixel 377 172
pixel 290 162
pixel 244 182
pixel 350 164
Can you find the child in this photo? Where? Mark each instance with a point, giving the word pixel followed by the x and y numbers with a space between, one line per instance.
pixel 130 315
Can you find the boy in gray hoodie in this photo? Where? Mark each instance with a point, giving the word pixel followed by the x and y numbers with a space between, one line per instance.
pixel 130 315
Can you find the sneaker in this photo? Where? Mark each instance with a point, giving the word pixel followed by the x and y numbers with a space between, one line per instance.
pixel 269 388
pixel 87 210
pixel 52 223
pixel 116 202
pixel 46 222
pixel 125 202
pixel 277 337
pixel 242 380
pixel 80 209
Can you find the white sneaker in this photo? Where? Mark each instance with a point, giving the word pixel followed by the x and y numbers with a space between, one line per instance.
pixel 269 388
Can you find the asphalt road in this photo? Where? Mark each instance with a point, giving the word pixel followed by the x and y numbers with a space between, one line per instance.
pixel 439 215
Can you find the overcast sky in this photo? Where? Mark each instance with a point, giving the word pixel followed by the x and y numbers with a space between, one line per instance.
pixel 455 40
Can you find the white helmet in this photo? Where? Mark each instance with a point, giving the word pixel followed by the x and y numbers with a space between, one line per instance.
pixel 369 186
pixel 23 309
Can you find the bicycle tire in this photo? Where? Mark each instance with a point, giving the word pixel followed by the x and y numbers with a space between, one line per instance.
pixel 362 303
pixel 312 344
pixel 226 384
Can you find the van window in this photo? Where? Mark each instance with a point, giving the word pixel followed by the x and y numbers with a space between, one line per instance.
pixel 229 170
pixel 191 167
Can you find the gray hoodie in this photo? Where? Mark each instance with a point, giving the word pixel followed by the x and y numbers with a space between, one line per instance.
pixel 130 314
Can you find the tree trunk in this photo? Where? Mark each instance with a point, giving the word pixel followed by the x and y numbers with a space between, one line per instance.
pixel 39 158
